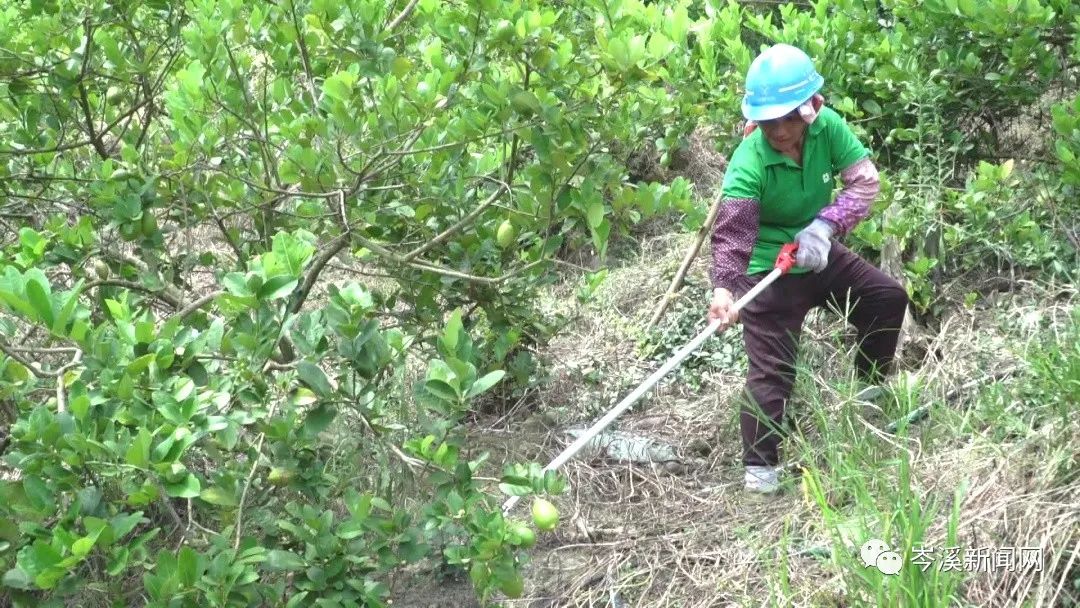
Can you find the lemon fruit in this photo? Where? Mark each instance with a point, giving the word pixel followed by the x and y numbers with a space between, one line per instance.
pixel 101 269
pixel 505 32
pixel 545 515
pixel 512 587
pixel 522 535
pixel 279 476
pixel 506 234
pixel 149 223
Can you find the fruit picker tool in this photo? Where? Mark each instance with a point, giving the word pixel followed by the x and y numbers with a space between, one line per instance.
pixel 784 262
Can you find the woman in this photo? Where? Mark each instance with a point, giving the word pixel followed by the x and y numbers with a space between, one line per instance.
pixel 778 189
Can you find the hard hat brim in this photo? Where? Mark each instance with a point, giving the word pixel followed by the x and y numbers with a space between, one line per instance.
pixel 772 111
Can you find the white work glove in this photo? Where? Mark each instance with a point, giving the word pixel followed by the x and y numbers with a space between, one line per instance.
pixel 814 245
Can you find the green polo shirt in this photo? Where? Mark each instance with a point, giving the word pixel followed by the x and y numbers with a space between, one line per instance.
pixel 789 196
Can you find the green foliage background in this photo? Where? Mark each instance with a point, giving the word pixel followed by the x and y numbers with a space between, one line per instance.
pixel 173 402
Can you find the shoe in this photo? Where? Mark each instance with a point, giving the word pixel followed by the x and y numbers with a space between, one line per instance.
pixel 762 479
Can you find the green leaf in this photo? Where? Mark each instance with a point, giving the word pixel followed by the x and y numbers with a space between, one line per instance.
pixel 188 487
pixel 118 561
pixel 288 254
pixel 17 303
pixel 139 365
pixel 31 239
pixel 144 332
pixel 318 419
pixel 279 559
pixel 439 370
pixel 89 500
pixel 515 490
pixel 174 446
pixel 124 524
pixel 339 86
pixel 184 388
pixel 83 546
pixel 49 578
pixel 619 53
pixel 236 284
pixel 39 299
pixel 304 396
pixel 277 287
pixel 872 107
pixel 188 566
pixel 1064 153
pixel 314 377
pixel 118 311
pixel 41 498
pixel 659 46
pixel 17 578
pixel 485 383
pixel 138 453
pixel 217 496
pixel 452 334
pixel 525 103
pixel 67 309
pixel 596 213
pixel 600 237
pixel 38 557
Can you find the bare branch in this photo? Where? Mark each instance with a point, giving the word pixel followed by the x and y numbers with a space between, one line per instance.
pixel 197 304
pixel 61 397
pixel 251 475
pixel 32 366
pixel 35 368
pixel 44 351
pixel 309 80
pixel 313 273
pixel 403 15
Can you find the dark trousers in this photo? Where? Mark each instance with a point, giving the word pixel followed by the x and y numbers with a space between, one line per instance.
pixel 875 304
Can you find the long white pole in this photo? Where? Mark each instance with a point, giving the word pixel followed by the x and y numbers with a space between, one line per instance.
pixel 632 398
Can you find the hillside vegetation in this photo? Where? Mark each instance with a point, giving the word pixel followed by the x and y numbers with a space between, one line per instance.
pixel 293 295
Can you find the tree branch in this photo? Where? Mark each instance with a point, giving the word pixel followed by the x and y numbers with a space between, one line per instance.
pixel 61 398
pixel 83 99
pixel 78 144
pixel 197 304
pixel 167 297
pixel 310 81
pixel 403 15
pixel 251 475
pixel 313 273
pixel 465 221
pixel 33 367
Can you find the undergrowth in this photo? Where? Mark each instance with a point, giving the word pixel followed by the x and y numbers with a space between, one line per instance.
pixel 979 455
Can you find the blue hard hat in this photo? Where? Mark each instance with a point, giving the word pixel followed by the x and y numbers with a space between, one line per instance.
pixel 778 81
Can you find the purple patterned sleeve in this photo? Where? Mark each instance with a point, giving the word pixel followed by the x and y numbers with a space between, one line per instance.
pixel 852 205
pixel 733 239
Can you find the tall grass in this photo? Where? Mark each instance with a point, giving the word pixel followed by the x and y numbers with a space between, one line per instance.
pixel 860 483
pixel 861 488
